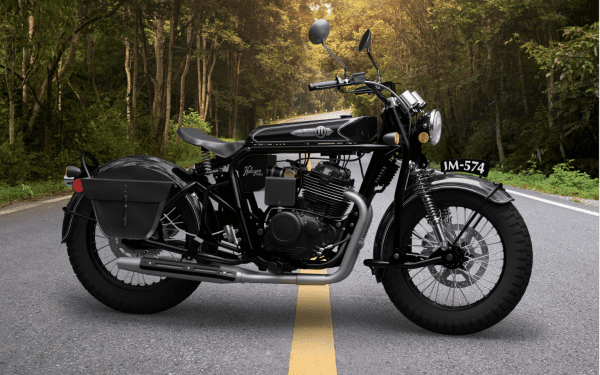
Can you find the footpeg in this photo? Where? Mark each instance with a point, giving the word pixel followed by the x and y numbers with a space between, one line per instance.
pixel 275 267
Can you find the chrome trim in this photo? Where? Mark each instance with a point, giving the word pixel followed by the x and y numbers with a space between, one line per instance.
pixel 344 124
pixel 68 181
pixel 255 134
pixel 244 275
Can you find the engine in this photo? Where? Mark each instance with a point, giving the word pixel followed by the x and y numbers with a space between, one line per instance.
pixel 315 221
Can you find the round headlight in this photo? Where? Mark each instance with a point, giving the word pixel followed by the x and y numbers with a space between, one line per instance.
pixel 435 126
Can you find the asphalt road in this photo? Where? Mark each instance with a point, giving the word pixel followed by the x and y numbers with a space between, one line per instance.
pixel 51 325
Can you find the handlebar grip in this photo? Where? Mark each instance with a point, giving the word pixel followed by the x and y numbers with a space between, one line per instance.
pixel 322 85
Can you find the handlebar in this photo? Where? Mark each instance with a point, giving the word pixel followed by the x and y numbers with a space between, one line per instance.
pixel 356 79
pixel 323 85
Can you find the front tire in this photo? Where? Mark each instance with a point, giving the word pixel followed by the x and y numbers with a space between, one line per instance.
pixel 93 258
pixel 488 284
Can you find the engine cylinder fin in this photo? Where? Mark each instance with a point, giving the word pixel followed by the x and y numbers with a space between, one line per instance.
pixel 324 188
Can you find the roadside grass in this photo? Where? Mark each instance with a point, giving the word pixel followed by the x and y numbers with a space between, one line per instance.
pixel 30 191
pixel 564 181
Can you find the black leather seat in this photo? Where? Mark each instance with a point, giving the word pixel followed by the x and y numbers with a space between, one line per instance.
pixel 198 138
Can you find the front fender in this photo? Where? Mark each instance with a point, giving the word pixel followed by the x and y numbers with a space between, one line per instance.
pixel 437 182
pixel 472 184
pixel 137 168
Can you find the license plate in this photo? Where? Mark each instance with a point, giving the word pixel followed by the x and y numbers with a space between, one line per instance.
pixel 475 166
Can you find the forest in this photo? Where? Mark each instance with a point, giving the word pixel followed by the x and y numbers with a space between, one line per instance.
pixel 516 81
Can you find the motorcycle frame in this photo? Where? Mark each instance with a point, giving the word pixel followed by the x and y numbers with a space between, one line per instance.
pixel 245 207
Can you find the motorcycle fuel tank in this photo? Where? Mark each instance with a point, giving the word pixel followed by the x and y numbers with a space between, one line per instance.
pixel 337 130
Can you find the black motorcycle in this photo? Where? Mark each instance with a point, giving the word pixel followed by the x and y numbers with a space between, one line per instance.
pixel 453 253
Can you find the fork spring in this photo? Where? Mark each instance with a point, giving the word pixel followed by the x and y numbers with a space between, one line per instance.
pixel 431 210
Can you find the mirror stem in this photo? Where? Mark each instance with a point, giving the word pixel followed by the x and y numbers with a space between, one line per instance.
pixel 376 67
pixel 340 61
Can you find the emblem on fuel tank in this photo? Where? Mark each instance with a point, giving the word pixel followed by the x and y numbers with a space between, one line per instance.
pixel 319 132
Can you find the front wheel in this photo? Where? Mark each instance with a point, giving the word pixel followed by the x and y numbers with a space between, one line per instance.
pixel 475 294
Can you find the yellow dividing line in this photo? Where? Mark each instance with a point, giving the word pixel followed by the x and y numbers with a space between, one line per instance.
pixel 313 351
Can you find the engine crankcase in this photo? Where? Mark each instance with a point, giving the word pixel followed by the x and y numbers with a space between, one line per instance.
pixel 298 234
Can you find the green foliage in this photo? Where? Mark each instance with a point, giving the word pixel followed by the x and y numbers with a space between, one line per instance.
pixel 569 181
pixel 27 189
pixel 575 58
pixel 563 181
pixel 30 191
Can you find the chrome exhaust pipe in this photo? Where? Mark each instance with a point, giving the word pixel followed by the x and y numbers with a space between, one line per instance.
pixel 237 274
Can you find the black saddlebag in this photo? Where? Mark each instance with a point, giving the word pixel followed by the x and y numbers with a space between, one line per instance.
pixel 127 208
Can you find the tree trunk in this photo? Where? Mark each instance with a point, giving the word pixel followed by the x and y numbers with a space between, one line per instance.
pixel 492 88
pixel 229 66
pixel 128 74
pixel 48 120
pixel 146 72
pixel 205 67
pixel 522 76
pixel 550 81
pixel 216 118
pixel 159 50
pixel 11 95
pixel 172 29
pixel 184 75
pixel 59 50
pixel 470 57
pixel 237 60
pixel 90 64
pixel 209 83
pixel 27 61
pixel 58 92
pixel 499 130
pixel 134 89
pixel 90 51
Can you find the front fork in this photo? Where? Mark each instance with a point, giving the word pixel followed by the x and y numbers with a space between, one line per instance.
pixel 433 214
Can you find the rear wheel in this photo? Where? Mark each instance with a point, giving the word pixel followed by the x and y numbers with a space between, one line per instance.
pixel 93 257
pixel 486 285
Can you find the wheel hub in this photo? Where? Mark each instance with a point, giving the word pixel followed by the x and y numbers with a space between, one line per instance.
pixel 459 271
pixel 453 257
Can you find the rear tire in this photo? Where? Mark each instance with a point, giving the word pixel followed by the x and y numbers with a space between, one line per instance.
pixel 96 275
pixel 485 290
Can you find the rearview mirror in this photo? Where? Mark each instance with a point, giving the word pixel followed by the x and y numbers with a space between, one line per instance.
pixel 319 31
pixel 365 42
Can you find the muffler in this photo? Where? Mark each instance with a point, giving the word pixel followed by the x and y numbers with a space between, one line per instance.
pixel 238 274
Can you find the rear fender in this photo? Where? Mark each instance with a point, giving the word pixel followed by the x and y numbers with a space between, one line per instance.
pixel 438 182
pixel 138 167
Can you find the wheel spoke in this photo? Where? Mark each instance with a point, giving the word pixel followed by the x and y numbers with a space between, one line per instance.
pixel 106 264
pixel 475 283
pixel 423 238
pixel 465 297
pixel 102 247
pixel 453 285
pixel 417 273
pixel 486 255
pixel 485 260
